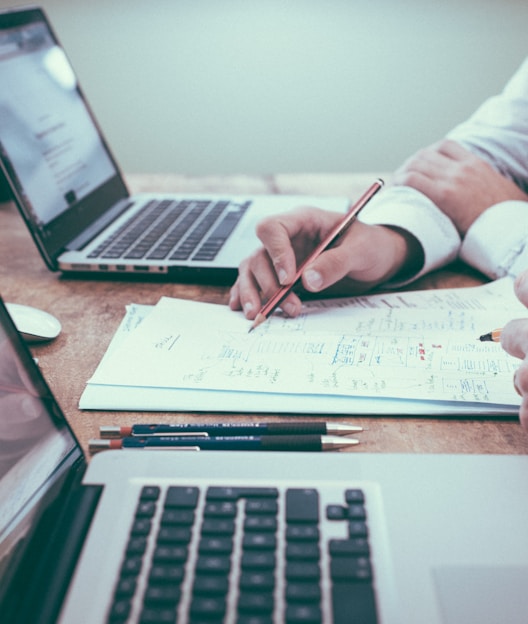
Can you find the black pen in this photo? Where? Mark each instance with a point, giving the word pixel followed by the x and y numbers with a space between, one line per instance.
pixel 231 429
pixel 228 443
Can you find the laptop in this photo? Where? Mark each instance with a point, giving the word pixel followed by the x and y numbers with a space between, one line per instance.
pixel 171 536
pixel 71 194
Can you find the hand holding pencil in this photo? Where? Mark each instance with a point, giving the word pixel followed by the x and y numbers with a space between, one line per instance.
pixel 363 256
pixel 331 238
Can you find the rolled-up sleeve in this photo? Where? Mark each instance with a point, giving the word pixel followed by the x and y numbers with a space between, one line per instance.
pixel 407 209
pixel 497 242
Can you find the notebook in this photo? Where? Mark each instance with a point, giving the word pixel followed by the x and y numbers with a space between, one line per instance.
pixel 166 536
pixel 71 194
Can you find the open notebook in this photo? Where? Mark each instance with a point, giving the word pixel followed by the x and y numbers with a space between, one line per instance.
pixel 171 536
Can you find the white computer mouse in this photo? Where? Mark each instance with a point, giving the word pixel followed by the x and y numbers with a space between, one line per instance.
pixel 34 325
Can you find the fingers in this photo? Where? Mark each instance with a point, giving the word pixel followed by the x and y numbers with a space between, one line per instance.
pixel 452 150
pixel 520 382
pixel 514 336
pixel 366 256
pixel 287 239
pixel 257 282
pixel 427 163
pixel 514 339
pixel 521 287
pixel 276 234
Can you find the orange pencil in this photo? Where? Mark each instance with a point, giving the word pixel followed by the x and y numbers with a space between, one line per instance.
pixel 492 336
pixel 274 301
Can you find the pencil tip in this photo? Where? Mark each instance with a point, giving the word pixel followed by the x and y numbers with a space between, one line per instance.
pixel 260 318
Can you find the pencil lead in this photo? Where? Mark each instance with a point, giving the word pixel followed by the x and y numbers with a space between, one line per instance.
pixel 259 319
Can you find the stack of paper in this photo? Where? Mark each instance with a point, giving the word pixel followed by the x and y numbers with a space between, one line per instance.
pixel 399 353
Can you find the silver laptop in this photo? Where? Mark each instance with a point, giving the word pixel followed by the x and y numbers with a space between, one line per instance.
pixel 71 194
pixel 170 536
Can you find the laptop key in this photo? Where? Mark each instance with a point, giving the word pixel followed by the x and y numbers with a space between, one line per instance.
pixel 184 497
pixel 300 551
pixel 210 584
pixel 357 599
pixel 351 568
pixel 255 602
pixel 208 607
pixel 354 547
pixel 303 592
pixel 301 532
pixel 174 535
pixel 182 517
pixel 166 573
pixel 261 506
pixel 302 505
pixel 218 526
pixel 305 614
pixel 257 580
pixel 302 571
pixel 162 594
pixel 161 615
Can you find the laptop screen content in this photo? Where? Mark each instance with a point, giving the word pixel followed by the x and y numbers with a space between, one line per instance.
pixel 44 125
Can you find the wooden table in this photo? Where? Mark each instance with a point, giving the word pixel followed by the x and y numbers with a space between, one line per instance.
pixel 90 311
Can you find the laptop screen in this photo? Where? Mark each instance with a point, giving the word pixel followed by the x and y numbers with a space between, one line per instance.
pixel 36 445
pixel 51 149
pixel 50 142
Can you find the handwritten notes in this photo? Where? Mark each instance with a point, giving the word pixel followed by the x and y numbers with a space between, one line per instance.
pixel 364 353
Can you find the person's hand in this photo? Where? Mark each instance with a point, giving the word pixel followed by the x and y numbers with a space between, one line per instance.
pixel 514 339
pixel 462 185
pixel 364 257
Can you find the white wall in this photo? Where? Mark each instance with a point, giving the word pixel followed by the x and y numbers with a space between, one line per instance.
pixel 257 86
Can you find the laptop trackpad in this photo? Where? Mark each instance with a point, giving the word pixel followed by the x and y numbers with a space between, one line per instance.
pixel 482 594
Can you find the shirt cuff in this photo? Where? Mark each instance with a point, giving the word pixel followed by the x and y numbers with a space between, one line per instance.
pixel 497 242
pixel 405 208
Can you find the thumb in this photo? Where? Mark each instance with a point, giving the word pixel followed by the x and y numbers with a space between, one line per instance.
pixel 330 267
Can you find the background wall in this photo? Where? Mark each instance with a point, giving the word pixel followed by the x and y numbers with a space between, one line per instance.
pixel 255 86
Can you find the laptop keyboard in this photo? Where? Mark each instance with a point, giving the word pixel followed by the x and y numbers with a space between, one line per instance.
pixel 173 230
pixel 248 555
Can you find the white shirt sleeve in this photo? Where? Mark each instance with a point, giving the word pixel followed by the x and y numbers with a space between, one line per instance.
pixel 497 242
pixel 497 132
pixel 405 208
